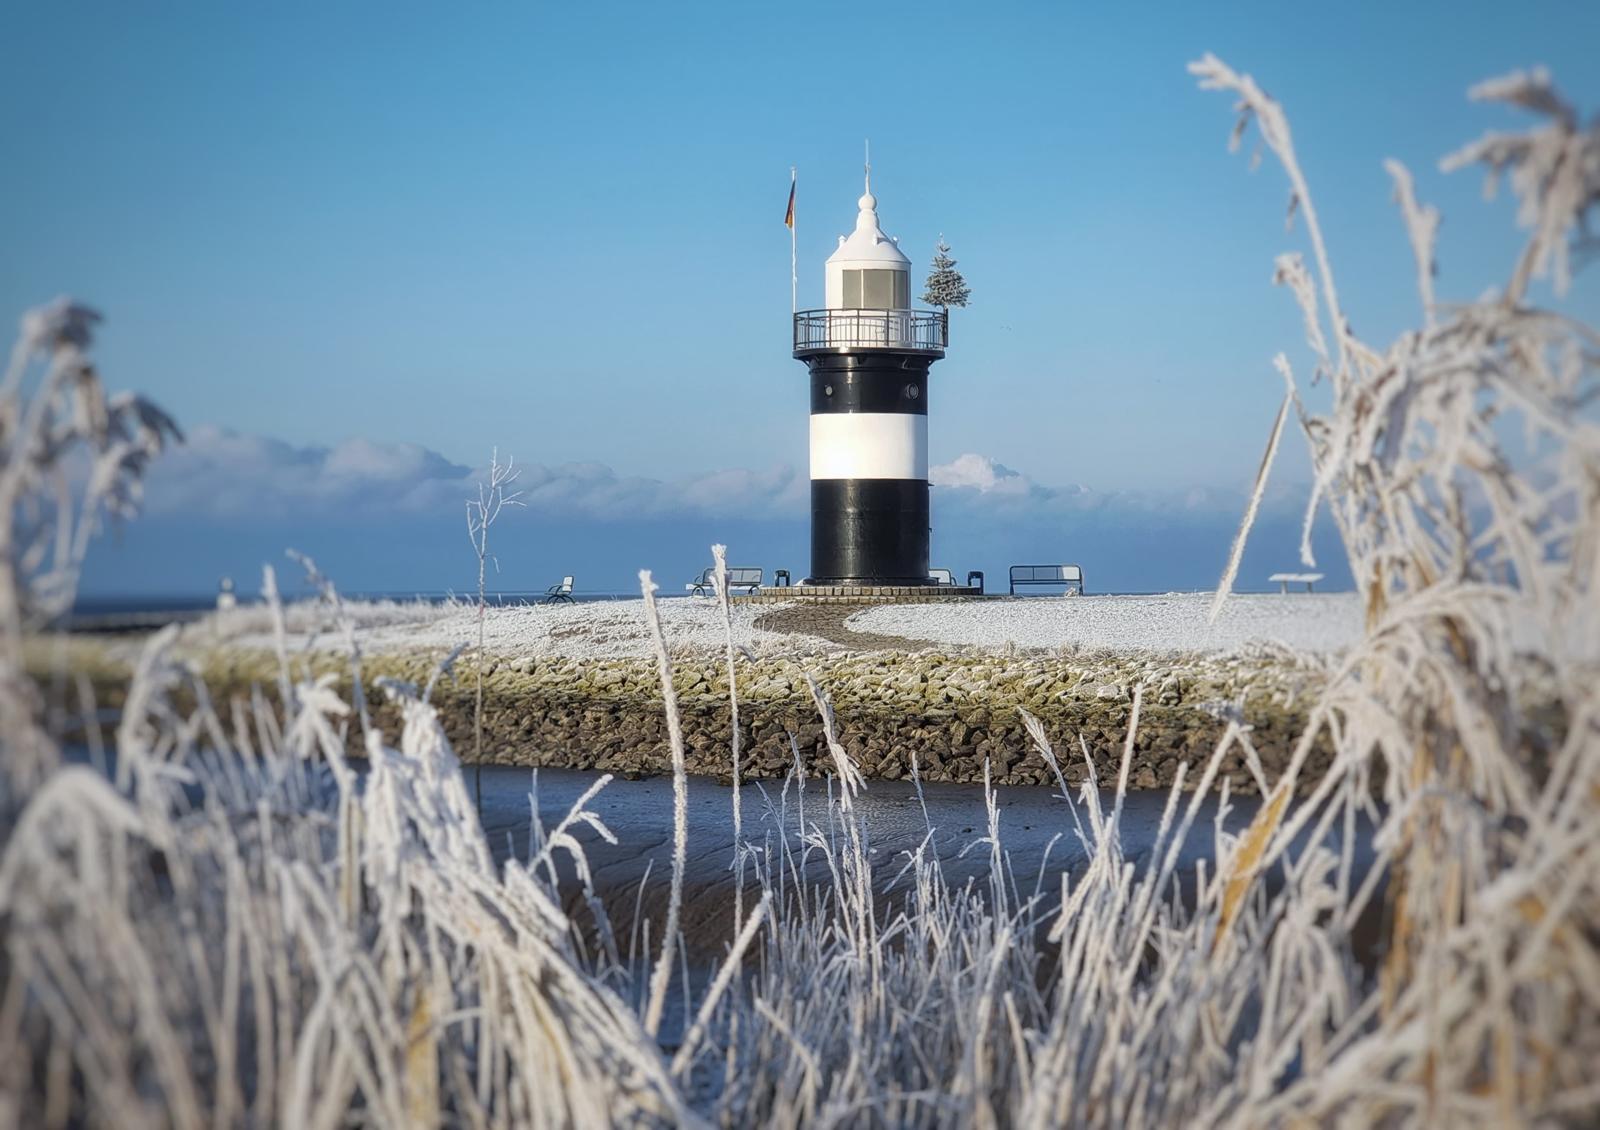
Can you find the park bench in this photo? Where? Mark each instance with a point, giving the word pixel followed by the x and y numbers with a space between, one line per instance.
pixel 556 594
pixel 1069 575
pixel 941 576
pixel 1284 580
pixel 743 577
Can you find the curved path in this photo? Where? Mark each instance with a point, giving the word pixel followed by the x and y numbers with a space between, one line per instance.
pixel 827 622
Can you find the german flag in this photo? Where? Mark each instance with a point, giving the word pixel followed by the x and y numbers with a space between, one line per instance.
pixel 788 217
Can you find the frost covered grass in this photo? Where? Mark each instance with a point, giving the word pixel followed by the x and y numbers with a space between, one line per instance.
pixel 235 928
pixel 1318 623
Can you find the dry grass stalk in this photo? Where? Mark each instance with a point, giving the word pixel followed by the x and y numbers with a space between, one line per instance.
pixel 493 498
pixel 662 975
pixel 1476 551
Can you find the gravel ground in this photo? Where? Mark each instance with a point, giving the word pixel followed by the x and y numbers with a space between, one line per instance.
pixel 830 622
pixel 1315 622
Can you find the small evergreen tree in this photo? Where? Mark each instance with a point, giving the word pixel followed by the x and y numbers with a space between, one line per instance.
pixel 945 286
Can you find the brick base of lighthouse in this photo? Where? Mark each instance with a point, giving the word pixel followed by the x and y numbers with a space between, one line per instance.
pixel 863 594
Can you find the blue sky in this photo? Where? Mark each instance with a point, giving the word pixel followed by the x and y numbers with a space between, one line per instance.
pixel 386 237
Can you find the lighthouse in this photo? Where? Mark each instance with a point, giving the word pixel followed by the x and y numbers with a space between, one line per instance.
pixel 869 354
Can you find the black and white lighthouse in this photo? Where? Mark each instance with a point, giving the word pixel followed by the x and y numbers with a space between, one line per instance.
pixel 869 355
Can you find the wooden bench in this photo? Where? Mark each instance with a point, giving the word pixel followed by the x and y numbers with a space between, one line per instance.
pixel 558 594
pixel 743 577
pixel 1284 580
pixel 941 576
pixel 1068 575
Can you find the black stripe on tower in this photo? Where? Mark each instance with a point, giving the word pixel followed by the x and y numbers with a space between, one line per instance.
pixel 869 382
pixel 869 531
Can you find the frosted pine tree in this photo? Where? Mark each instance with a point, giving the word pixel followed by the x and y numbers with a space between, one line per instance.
pixel 945 286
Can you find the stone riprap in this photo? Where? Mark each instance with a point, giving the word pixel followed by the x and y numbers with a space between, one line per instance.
pixel 950 712
pixel 576 686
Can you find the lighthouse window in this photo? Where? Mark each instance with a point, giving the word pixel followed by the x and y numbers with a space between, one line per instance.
pixel 875 290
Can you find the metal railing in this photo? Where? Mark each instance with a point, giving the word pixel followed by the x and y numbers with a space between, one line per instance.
pixel 826 331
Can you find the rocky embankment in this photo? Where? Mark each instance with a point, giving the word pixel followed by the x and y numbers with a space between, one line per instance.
pixel 950 713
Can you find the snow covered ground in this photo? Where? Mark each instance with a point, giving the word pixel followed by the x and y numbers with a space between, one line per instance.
pixel 610 629
pixel 1173 622
pixel 616 629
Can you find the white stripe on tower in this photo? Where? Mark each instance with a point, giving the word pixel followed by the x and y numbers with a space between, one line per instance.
pixel 869 445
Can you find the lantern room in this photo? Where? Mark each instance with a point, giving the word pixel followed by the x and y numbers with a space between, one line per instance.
pixel 867 297
pixel 868 271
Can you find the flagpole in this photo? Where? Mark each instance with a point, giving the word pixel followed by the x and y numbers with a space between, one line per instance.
pixel 794 274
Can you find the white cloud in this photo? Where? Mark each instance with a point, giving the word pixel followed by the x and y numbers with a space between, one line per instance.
pixel 980 473
pixel 225 474
pixel 979 486
pixel 982 486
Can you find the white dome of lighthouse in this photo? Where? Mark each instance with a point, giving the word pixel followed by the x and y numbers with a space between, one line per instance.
pixel 867 245
pixel 867 270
